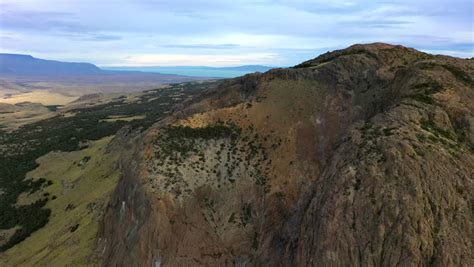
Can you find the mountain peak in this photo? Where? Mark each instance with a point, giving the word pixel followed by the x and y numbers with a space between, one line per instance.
pixel 385 53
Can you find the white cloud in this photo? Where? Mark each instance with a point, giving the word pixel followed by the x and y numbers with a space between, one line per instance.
pixel 104 32
pixel 195 60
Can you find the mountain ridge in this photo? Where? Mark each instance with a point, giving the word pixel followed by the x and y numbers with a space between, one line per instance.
pixel 361 156
pixel 25 65
pixel 335 162
pixel 28 65
pixel 24 73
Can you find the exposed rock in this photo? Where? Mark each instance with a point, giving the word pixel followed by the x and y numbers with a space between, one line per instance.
pixel 362 156
pixel 69 206
pixel 67 186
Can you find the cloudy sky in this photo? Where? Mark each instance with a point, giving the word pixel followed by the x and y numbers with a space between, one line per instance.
pixel 227 33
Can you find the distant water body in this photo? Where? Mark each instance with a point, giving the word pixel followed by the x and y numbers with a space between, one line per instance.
pixel 210 72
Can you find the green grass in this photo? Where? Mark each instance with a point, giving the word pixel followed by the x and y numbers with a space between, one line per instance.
pixel 54 244
pixel 22 147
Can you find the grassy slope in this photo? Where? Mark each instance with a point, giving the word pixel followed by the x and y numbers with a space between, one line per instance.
pixel 55 244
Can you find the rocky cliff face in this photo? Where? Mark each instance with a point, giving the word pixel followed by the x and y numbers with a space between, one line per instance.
pixel 362 156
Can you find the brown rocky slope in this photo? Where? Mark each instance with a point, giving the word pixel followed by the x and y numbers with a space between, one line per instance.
pixel 362 156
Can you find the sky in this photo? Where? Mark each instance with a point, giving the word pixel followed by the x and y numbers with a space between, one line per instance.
pixel 227 33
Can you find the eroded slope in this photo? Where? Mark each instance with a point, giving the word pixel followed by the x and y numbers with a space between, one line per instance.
pixel 360 156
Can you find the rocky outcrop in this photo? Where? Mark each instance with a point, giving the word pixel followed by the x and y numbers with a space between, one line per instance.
pixel 362 156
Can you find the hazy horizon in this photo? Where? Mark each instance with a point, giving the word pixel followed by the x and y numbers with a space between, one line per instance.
pixel 18 63
pixel 226 33
pixel 197 71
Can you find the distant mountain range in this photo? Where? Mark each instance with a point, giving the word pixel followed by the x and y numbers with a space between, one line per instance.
pixel 15 64
pixel 26 65
pixel 24 73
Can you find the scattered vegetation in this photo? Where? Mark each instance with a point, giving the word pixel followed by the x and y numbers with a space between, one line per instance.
pixel 178 142
pixel 370 135
pixel 23 146
pixel 231 218
pixel 246 214
pixel 459 73
pixel 423 92
pixel 430 126
pixel 369 131
pixel 53 107
pixel 183 151
pixel 329 56
pixel 255 241
pixel 461 128
pixel 439 135
pixel 456 71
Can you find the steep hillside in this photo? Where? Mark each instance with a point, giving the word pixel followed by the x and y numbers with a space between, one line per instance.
pixel 362 156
